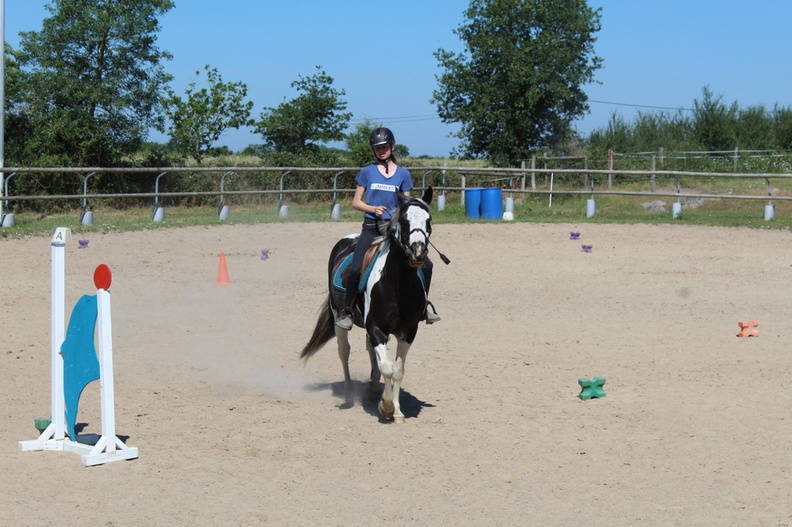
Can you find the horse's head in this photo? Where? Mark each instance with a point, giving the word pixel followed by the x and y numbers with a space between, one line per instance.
pixel 411 226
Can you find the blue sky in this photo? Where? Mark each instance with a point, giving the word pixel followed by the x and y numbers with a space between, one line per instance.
pixel 657 54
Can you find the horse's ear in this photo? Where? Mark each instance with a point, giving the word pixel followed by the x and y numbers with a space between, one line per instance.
pixel 427 196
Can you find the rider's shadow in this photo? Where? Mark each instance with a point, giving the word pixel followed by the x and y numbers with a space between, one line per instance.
pixel 411 406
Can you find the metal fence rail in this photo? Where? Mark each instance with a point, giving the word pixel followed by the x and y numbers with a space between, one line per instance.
pixel 520 181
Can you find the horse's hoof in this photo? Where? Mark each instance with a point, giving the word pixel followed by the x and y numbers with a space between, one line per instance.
pixel 398 419
pixel 386 410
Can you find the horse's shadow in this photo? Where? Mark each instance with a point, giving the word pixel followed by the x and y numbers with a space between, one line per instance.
pixel 411 406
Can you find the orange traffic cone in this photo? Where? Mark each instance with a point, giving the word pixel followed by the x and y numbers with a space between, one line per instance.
pixel 222 272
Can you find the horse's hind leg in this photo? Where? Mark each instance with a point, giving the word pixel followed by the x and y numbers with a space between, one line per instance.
pixel 342 336
pixel 373 386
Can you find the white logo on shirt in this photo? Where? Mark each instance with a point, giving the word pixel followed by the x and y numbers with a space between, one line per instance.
pixel 383 186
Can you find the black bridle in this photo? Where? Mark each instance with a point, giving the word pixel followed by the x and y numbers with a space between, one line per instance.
pixel 396 233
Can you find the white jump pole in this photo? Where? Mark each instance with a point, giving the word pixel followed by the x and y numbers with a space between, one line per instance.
pixel 53 436
pixel 61 237
pixel 109 447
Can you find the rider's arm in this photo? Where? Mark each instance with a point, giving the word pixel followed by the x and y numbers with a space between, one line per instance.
pixel 362 206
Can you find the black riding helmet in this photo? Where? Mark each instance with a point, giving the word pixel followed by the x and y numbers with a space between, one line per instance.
pixel 381 136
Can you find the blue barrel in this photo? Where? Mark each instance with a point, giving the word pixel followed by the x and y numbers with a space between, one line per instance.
pixel 492 204
pixel 473 203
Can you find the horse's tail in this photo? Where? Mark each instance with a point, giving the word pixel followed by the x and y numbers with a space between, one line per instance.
pixel 324 331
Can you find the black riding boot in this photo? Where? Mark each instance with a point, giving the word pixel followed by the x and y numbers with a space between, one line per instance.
pixel 346 316
pixel 430 316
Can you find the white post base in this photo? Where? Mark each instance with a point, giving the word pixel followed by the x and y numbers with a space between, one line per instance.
pixel 105 451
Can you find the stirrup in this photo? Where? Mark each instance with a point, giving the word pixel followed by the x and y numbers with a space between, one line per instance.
pixel 431 316
pixel 344 320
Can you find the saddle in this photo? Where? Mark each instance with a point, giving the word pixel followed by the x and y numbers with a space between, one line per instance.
pixel 341 271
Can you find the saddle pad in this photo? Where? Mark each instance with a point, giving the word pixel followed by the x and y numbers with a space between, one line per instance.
pixel 338 280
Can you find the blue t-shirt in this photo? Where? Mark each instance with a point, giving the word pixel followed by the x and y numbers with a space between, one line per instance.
pixel 381 190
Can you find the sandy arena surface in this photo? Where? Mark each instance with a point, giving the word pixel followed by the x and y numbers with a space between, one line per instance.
pixel 233 429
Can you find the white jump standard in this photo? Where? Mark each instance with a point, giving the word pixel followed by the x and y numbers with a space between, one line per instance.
pixel 108 447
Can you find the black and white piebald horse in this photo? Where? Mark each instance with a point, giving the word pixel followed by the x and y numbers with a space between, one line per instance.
pixel 392 301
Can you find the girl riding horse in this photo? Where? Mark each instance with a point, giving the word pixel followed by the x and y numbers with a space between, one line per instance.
pixel 378 183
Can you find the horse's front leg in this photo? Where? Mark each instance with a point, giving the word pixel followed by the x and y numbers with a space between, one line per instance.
pixel 392 372
pixel 398 375
pixel 379 343
pixel 342 336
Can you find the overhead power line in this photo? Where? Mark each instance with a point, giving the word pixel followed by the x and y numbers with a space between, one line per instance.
pixel 415 118
pixel 407 119
pixel 640 105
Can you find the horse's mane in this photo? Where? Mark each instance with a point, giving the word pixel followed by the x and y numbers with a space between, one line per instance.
pixel 396 216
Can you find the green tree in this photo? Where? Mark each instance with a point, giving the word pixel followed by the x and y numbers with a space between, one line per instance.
pixel 205 114
pixel 755 128
pixel 316 115
pixel 782 127
pixel 518 85
pixel 357 142
pixel 714 123
pixel 93 82
pixel 17 123
pixel 617 135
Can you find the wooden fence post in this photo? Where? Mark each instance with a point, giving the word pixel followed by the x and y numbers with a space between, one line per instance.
pixel 654 167
pixel 533 173
pixel 610 167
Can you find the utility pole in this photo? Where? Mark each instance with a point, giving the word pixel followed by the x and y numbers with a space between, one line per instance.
pixel 2 106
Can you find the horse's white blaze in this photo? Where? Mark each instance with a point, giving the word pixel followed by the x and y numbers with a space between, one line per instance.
pixel 417 217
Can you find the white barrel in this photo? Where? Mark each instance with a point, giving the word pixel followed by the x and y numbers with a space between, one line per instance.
pixel 86 217
pixel 8 220
pixel 769 212
pixel 335 212
pixel 441 202
pixel 591 208
pixel 284 211
pixel 223 214
pixel 158 215
pixel 676 209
